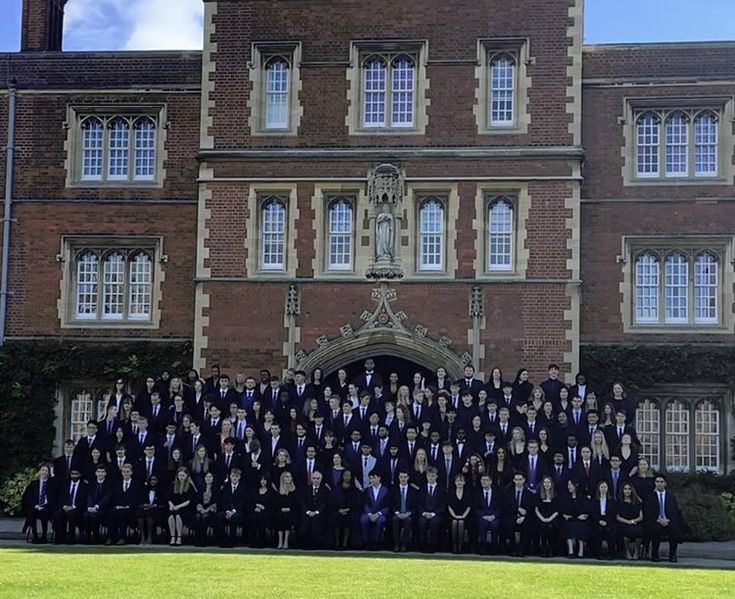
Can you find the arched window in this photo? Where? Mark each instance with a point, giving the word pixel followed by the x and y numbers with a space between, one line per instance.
pixel 140 286
pixel 677 137
pixel 646 287
pixel 402 88
pixel 647 144
pixel 87 286
pixel 277 82
pixel 144 152
pixel 677 436
pixel 431 235
pixel 705 144
pixel 118 149
pixel 273 235
pixel 648 427
pixel 502 79
pixel 707 437
pixel 113 278
pixel 500 235
pixel 374 91
pixel 92 144
pixel 339 243
pixel 676 287
pixel 706 287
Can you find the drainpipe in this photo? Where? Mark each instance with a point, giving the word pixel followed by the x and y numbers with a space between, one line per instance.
pixel 9 169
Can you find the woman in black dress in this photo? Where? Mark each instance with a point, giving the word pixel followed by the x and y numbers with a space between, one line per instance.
pixel 604 511
pixel 576 513
pixel 459 507
pixel 205 509
pixel 548 514
pixel 262 501
pixel 522 387
pixel 180 505
pixel 345 504
pixel 151 510
pixel 285 508
pixel 630 521
pixel 500 468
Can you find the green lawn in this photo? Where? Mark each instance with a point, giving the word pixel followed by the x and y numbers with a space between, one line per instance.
pixel 82 573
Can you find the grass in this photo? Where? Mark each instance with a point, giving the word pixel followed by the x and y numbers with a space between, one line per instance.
pixel 82 573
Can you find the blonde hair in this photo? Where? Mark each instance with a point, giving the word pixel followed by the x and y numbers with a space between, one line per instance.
pixel 284 489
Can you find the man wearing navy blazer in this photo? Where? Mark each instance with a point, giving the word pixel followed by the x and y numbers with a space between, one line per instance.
pixel 470 383
pixel 231 509
pixel 368 379
pixel 37 504
pixel 374 511
pixel 403 503
pixel 71 500
pixel 314 508
pixel 662 519
pixel 518 515
pixel 123 508
pixel 99 495
pixel 488 510
pixel 432 503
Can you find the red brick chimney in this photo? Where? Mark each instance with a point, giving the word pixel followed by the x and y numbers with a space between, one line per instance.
pixel 43 24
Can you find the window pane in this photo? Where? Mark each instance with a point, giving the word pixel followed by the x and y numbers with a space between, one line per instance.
pixel 677 436
pixel 117 157
pixel 92 139
pixel 340 235
pixel 402 88
pixel 502 84
pixel 431 236
pixel 677 135
pixel 706 288
pixel 500 236
pixel 676 288
pixel 646 288
pixel 374 92
pixel 80 411
pixel 647 145
pixel 86 286
pixel 273 235
pixel 141 278
pixel 705 145
pixel 707 437
pixel 276 94
pixel 145 149
pixel 648 425
pixel 114 287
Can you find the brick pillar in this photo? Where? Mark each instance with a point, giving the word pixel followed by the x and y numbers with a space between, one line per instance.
pixel 43 24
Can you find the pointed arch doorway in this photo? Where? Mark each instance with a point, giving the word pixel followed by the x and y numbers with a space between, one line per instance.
pixel 385 365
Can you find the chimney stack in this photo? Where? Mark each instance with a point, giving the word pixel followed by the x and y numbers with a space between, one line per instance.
pixel 43 24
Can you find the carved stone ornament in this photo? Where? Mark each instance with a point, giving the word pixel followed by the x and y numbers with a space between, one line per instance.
pixel 477 303
pixel 445 341
pixel 300 356
pixel 383 316
pixel 386 185
pixel 384 271
pixel 322 340
pixel 293 301
pixel 346 330
pixel 465 358
pixel 420 330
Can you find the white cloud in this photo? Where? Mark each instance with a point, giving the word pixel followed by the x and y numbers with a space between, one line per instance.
pixel 133 24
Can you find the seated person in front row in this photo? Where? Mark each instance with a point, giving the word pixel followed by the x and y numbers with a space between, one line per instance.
pixel 374 511
pixel 36 504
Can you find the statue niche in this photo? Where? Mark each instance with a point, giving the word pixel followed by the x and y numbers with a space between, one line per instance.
pixel 385 194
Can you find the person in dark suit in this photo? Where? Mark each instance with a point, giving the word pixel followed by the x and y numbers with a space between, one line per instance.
pixel 662 519
pixel 71 500
pixel 503 428
pixel 548 517
pixel 432 502
pixel 108 425
pixel 149 465
pixel 137 444
pixel 223 394
pixel 392 464
pixel 552 385
pixel 314 512
pixel 586 473
pixel 614 476
pixel 560 474
pixel 518 519
pixel 231 509
pixel 369 379
pixel 118 396
pixel 532 466
pixel 300 392
pixel 488 511
pixel 83 449
pixel 228 461
pixel 99 495
pixel 37 503
pixel 157 415
pixel 403 505
pixel 374 511
pixel 124 505
pixel 448 466
pixel 151 510
pixel 261 503
pixel 470 383
pixel 603 521
pixel 63 465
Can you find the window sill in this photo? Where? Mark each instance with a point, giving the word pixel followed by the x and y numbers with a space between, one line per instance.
pixel 676 181
pixel 114 184
pixel 664 329
pixel 109 324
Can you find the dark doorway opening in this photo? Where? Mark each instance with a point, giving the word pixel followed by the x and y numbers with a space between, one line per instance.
pixel 384 365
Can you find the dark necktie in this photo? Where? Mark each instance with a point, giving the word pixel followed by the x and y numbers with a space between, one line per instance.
pixel 487 498
pixel 42 493
pixel 518 499
pixel 403 500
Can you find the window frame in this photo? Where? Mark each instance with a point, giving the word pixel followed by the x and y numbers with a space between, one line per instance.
pixel 332 199
pixel 421 201
pixel 276 267
pixel 388 58
pixel 491 201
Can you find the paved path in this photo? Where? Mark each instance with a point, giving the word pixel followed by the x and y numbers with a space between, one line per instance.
pixel 711 555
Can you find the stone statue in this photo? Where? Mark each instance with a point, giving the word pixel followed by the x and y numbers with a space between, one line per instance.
pixel 384 235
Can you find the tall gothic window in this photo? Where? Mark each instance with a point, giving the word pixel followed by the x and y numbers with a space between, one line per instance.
pixel 339 242
pixel 273 234
pixel 431 235
pixel 500 235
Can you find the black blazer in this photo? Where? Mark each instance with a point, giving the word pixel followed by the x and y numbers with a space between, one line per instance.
pixel 436 503
pixel 482 509
pixel 671 508
pixel 315 503
pixel 412 499
pixel 100 495
pixel 232 501
pixel 129 499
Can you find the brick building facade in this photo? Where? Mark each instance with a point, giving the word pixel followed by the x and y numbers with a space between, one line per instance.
pixel 440 184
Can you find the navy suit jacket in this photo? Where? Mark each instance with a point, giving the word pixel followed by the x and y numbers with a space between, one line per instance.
pixel 373 506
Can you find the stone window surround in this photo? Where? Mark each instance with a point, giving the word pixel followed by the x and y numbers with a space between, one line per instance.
pixel 75 114
pixel 722 105
pixel 486 194
pixel 260 53
pixel 722 246
pixel 419 49
pixel 519 49
pixel 70 244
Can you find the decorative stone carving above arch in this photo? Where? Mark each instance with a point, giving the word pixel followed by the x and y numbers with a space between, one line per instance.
pixel 383 332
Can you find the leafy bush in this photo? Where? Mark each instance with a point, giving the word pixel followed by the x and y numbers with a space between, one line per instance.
pixel 11 492
pixel 706 515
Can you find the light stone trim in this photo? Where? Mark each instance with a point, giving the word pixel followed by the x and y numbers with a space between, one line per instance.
pixel 448 194
pixel 209 67
pixel 474 335
pixel 574 70
pixel 293 331
pixel 324 192
pixel 201 297
pixel 519 48
pixel 201 340
pixel 573 291
pixel 253 229
pixel 353 119
pixel 521 210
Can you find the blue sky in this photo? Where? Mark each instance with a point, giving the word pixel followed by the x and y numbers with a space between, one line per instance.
pixel 149 24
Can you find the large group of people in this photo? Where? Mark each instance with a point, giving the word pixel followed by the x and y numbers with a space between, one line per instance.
pixel 502 466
